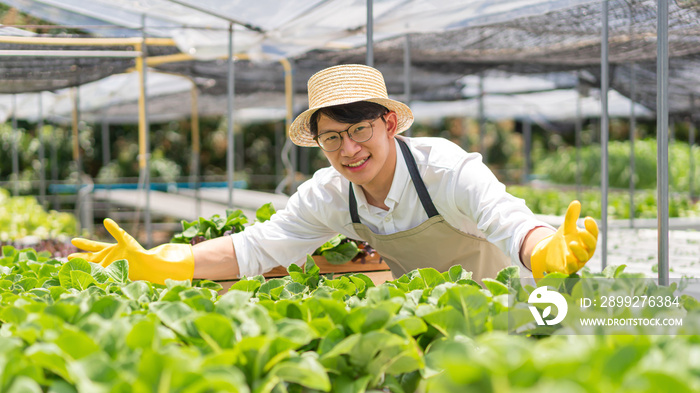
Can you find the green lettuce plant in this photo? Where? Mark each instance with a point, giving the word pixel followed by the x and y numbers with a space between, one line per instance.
pixel 23 216
pixel 337 250
pixel 80 327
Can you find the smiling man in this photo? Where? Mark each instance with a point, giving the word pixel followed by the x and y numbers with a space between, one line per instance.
pixel 420 202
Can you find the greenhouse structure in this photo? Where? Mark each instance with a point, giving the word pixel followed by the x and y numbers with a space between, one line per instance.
pixel 173 126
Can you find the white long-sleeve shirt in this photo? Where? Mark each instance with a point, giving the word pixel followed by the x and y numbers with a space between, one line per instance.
pixel 465 192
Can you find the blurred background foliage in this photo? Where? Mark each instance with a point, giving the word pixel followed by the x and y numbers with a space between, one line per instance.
pixel 23 216
pixel 553 201
pixel 258 147
pixel 560 165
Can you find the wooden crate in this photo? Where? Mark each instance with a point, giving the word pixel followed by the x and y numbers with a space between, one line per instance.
pixel 372 266
pixel 371 263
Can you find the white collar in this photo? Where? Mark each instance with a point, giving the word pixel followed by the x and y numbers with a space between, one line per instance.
pixel 398 183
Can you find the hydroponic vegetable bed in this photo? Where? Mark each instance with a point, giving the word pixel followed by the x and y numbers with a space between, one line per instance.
pixel 79 327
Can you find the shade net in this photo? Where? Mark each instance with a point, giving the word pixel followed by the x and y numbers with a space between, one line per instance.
pixel 564 40
pixel 26 74
pixel 547 40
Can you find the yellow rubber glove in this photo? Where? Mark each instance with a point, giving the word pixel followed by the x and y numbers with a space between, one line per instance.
pixel 569 248
pixel 174 261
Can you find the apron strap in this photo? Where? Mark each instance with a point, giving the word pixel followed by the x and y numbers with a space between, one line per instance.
pixel 418 183
pixel 422 191
pixel 353 207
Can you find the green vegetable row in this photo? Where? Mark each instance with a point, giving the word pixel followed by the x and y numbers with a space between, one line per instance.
pixel 560 166
pixel 79 327
pixel 555 202
pixel 337 250
pixel 23 216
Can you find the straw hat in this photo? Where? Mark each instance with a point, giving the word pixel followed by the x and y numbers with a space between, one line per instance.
pixel 345 84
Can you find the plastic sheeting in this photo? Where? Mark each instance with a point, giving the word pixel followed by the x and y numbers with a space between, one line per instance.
pixel 93 97
pixel 11 31
pixel 542 107
pixel 496 82
pixel 449 39
pixel 278 28
pixel 114 100
pixel 561 40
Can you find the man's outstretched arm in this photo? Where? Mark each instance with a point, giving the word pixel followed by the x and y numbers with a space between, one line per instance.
pixel 215 259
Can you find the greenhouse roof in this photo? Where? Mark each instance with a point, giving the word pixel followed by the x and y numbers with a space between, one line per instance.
pixel 114 100
pixel 274 28
pixel 448 40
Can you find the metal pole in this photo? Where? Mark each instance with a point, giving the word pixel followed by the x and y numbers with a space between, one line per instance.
pixel 691 142
pixel 67 53
pixel 370 34
pixel 54 173
pixel 577 136
pixel 75 124
pixel 662 137
pixel 106 154
pixel 407 74
pixel 482 123
pixel 633 130
pixel 527 134
pixel 288 152
pixel 144 151
pixel 144 54
pixel 294 152
pixel 42 152
pixel 80 205
pixel 604 131
pixel 229 100
pixel 633 121
pixel 279 138
pixel 15 148
pixel 194 173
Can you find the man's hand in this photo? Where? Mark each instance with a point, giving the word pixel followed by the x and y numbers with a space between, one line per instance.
pixel 174 261
pixel 569 248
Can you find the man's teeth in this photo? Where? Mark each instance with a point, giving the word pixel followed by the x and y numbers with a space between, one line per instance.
pixel 356 164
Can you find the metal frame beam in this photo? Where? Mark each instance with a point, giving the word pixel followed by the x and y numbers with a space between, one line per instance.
pixel 85 41
pixel 370 33
pixel 604 133
pixel 662 138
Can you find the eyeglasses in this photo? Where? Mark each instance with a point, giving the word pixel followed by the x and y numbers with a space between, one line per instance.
pixel 360 132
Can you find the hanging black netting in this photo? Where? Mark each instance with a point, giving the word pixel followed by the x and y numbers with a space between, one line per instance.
pixel 564 40
pixel 26 74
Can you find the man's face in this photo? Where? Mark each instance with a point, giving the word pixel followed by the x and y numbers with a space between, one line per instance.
pixel 367 164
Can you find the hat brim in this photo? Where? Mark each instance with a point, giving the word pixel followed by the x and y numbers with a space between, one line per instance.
pixel 300 130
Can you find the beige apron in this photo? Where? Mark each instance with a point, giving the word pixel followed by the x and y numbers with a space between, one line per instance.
pixel 434 243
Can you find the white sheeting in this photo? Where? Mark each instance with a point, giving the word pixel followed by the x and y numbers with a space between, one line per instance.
pixel 292 27
pixel 557 105
pixel 12 31
pixel 97 97
pixel 113 90
pixel 289 27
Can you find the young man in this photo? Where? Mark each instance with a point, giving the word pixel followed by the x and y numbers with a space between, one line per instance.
pixel 420 202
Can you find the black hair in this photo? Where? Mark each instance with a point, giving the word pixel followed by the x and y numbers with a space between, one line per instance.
pixel 348 113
